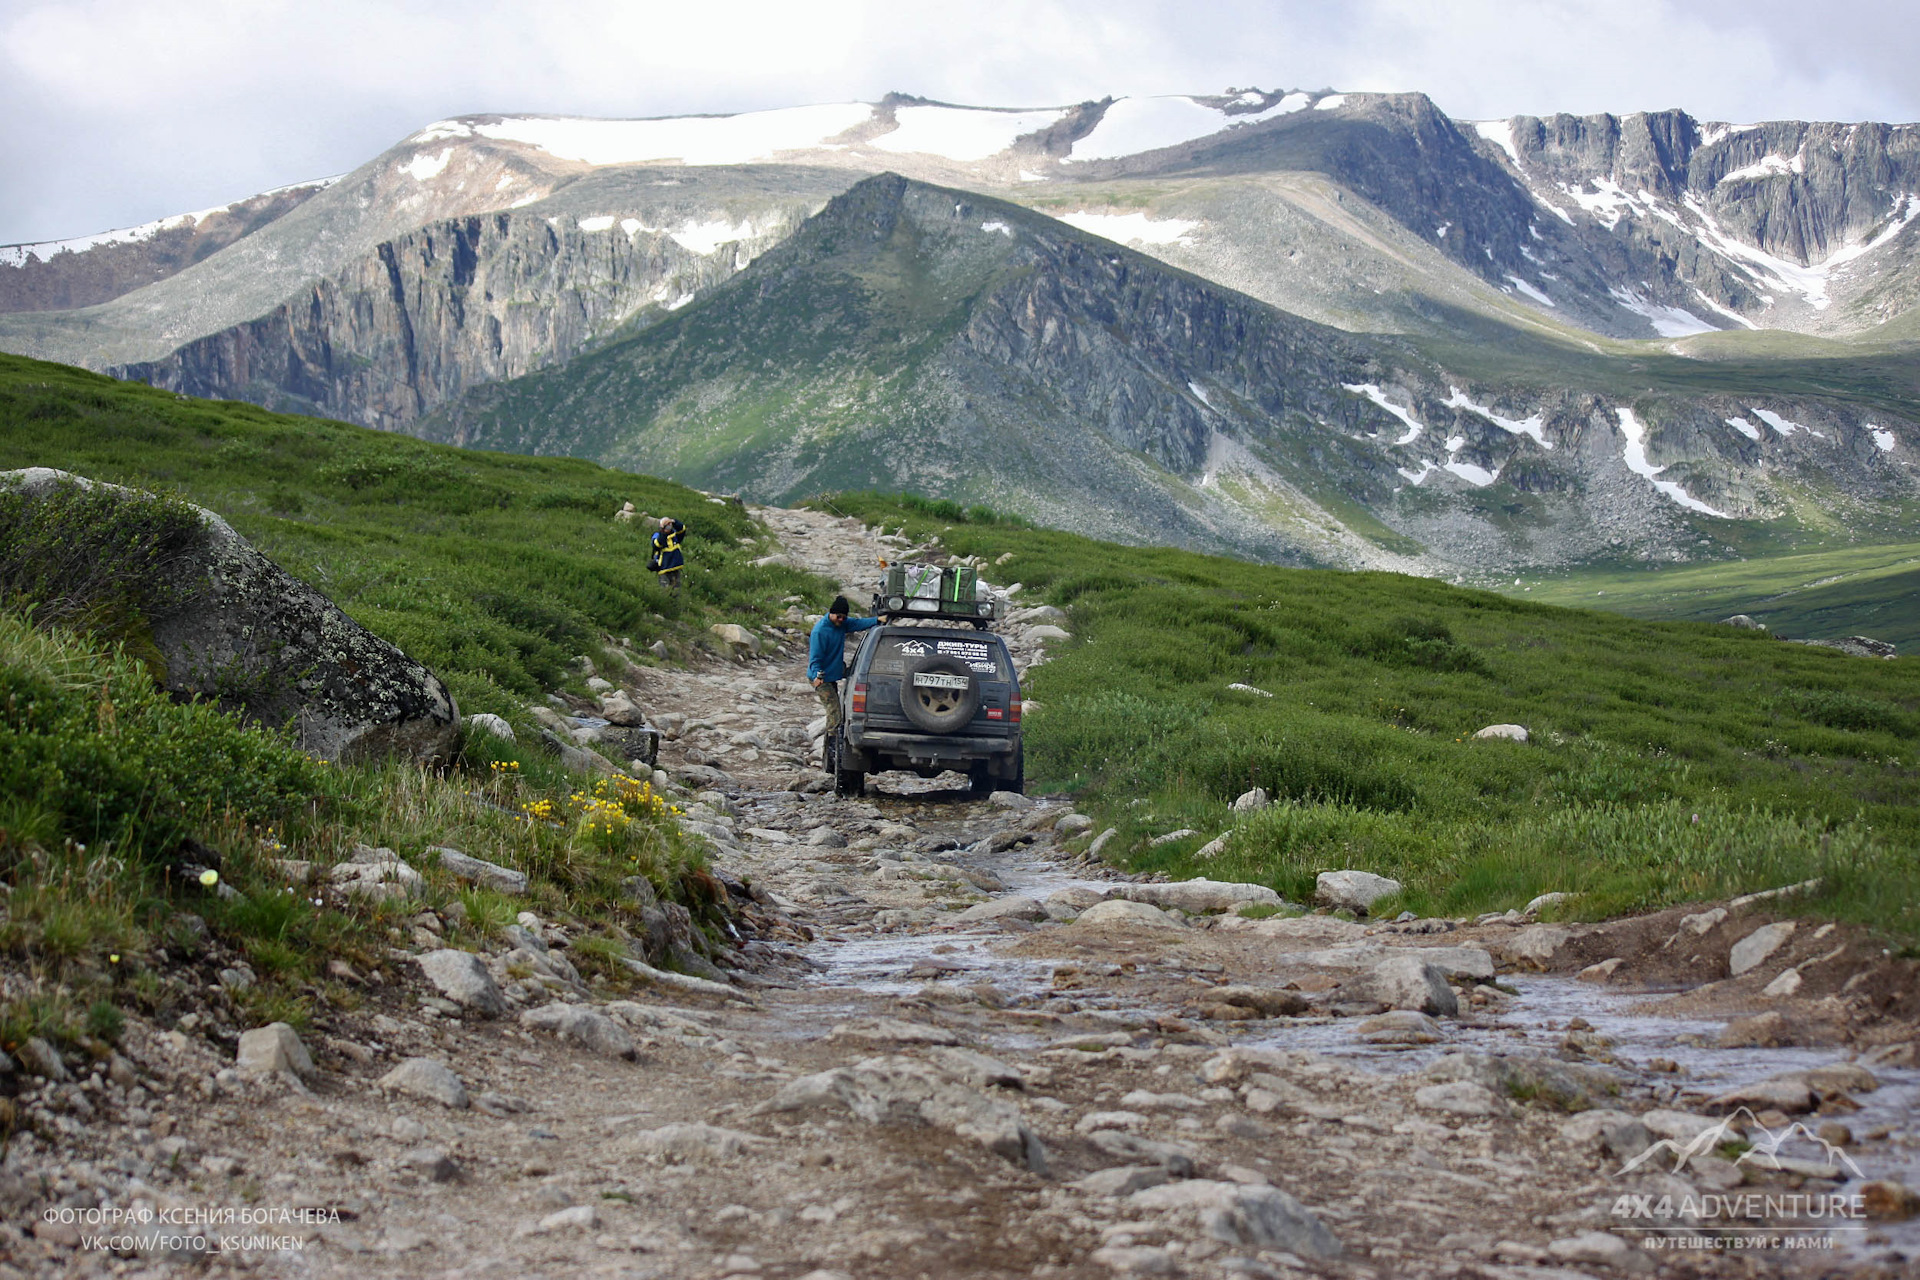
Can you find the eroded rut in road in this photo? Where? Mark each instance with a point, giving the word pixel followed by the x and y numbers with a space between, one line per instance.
pixel 965 1051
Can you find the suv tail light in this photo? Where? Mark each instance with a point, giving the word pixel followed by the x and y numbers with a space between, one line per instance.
pixel 1013 711
pixel 860 699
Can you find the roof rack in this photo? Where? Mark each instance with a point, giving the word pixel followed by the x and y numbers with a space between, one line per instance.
pixel 953 593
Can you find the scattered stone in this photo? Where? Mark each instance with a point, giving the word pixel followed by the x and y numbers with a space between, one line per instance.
pixel 893 1031
pixel 1461 1098
pixel 1014 908
pixel 594 1032
pixel 1509 732
pixel 1047 631
pixel 41 1059
pixel 889 1090
pixel 1535 946
pixel 976 1069
pixel 1352 890
pixel 487 722
pixel 1545 900
pixel 828 838
pixel 740 642
pixel 462 977
pixel 1239 687
pixel 429 1079
pixel 581 1217
pixel 1170 837
pixel 1123 1180
pixel 1115 911
pixel 1856 646
pixel 1101 841
pixel 1250 801
pixel 1601 1247
pixel 1408 982
pixel 1133 1259
pixel 1010 800
pixel 1401 1026
pixel 1254 1216
pixel 1782 1093
pixel 618 708
pixel 1073 824
pixel 1703 922
pixel 274 1049
pixel 1602 971
pixel 1752 951
pixel 1785 985
pixel 1888 1201
pixel 1743 622
pixel 1212 848
pixel 431 1163
pixel 680 1141
pixel 474 871
pixel 1267 1002
pixel 1197 896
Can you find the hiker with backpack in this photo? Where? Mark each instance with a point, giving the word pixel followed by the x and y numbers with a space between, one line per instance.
pixel 667 559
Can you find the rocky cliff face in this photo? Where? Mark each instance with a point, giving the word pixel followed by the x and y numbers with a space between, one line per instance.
pixel 1764 224
pixel 917 337
pixel 429 315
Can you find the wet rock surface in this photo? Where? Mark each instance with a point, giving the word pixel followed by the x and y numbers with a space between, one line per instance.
pixel 888 1081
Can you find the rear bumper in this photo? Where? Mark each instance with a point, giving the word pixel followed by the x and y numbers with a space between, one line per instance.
pixel 922 748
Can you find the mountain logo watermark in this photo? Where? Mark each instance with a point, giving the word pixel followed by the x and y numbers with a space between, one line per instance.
pixel 1763 1152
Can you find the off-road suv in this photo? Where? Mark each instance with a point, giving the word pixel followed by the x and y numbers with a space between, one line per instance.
pixel 926 699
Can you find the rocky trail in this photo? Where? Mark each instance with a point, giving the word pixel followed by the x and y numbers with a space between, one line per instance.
pixel 958 1047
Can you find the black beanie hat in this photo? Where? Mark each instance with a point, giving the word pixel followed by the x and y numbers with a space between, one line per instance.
pixel 839 605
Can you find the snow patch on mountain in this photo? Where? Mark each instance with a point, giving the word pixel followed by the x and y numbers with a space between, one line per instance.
pixel 1500 134
pixel 1668 322
pixel 691 140
pixel 1784 426
pixel 1883 439
pixel 1130 126
pixel 962 133
pixel 1635 457
pixel 1744 427
pixel 424 167
pixel 1332 102
pixel 1379 397
pixel 1530 290
pixel 1769 166
pixel 1132 228
pixel 1535 426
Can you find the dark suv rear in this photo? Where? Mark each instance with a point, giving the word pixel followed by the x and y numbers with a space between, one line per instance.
pixel 927 699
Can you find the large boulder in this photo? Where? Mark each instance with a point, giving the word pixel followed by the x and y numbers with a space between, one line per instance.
pixel 242 632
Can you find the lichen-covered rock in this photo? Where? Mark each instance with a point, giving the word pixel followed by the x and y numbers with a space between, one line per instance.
pixel 256 640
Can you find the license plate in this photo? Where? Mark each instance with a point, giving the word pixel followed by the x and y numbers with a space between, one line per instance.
pixel 939 680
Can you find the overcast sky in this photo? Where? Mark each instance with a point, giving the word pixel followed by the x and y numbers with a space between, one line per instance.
pixel 120 111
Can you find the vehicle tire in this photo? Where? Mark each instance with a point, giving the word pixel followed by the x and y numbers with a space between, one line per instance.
pixel 939 710
pixel 980 781
pixel 1017 783
pixel 849 782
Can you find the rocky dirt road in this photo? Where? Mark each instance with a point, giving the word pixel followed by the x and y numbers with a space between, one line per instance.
pixel 961 1049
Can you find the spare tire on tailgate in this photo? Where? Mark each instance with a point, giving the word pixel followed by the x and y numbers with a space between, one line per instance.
pixel 948 697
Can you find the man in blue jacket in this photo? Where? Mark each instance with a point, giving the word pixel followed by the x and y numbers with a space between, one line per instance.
pixel 827 656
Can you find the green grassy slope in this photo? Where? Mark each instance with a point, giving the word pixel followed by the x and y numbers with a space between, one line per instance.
pixel 1838 591
pixel 494 570
pixel 1667 760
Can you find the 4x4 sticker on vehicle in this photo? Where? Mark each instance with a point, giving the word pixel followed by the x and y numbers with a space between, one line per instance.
pixel 912 648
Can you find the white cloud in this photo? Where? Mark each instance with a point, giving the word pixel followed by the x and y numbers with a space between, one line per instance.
pixel 120 111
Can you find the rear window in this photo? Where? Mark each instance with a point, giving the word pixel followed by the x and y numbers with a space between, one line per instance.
pixel 983 653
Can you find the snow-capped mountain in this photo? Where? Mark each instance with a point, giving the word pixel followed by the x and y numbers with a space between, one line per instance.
pixel 1503 287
